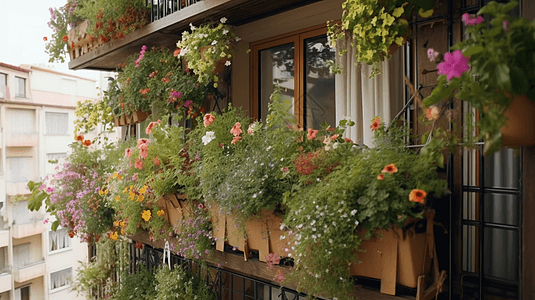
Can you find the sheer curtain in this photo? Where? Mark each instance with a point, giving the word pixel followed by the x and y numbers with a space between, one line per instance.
pixel 360 98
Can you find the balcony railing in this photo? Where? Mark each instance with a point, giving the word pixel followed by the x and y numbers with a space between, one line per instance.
pixel 163 8
pixel 5 281
pixel 29 271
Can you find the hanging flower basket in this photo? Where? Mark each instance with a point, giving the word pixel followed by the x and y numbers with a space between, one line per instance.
pixel 520 127
pixel 136 117
pixel 80 42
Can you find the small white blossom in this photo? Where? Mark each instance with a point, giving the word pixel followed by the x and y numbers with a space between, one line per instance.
pixel 227 63
pixel 192 27
pixel 208 137
pixel 223 20
pixel 353 212
pixel 238 39
pixel 214 42
pixel 225 31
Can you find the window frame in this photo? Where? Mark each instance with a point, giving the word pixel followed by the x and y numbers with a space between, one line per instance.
pixel 4 91
pixel 298 38
pixel 61 288
pixel 59 250
pixel 48 116
pixel 18 87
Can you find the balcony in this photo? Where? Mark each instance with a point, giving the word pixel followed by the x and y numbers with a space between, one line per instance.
pixel 29 272
pixel 21 139
pixel 26 223
pixel 4 239
pixel 25 230
pixel 165 29
pixel 5 282
pixel 17 188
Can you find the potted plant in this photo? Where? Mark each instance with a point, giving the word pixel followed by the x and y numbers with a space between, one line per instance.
pixel 62 20
pixel 207 46
pixel 378 27
pixel 492 69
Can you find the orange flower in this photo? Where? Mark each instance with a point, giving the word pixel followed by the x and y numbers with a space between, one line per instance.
pixel 391 168
pixel 177 52
pixel 79 138
pixel 311 134
pixel 348 140
pixel 65 38
pixel 208 119
pixel 432 113
pixel 380 177
pixel 236 129
pixel 87 143
pixel 376 124
pixel 417 196
pixel 144 91
pixel 45 38
pixel 160 213
pixel 235 139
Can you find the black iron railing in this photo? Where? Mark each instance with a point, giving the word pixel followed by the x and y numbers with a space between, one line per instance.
pixel 163 8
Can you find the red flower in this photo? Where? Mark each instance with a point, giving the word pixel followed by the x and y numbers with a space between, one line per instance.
pixel 79 138
pixel 87 143
pixel 65 38
pixel 208 119
pixel 376 124
pixel 417 196
pixel 380 177
pixel 177 52
pixel 45 38
pixel 391 168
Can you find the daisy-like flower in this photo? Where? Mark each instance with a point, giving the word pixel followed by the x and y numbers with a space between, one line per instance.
pixel 227 63
pixel 417 196
pixel 376 124
pixel 223 20
pixel 391 168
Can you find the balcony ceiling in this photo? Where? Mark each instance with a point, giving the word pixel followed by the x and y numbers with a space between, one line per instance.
pixel 166 31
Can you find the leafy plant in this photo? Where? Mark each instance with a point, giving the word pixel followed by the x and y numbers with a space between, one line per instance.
pixel 138 285
pixel 179 285
pixel 487 69
pixel 62 19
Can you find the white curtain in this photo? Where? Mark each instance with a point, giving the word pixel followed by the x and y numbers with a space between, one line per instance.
pixel 360 98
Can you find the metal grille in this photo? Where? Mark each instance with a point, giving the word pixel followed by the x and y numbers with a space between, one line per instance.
pixel 163 8
pixel 226 284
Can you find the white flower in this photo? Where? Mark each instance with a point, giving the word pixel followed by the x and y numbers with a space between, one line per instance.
pixel 192 27
pixel 227 63
pixel 225 31
pixel 208 137
pixel 214 42
pixel 353 212
pixel 223 20
pixel 331 241
pixel 335 145
pixel 238 39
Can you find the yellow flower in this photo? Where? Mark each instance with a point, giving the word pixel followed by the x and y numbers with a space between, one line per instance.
pixel 120 177
pixel 146 215
pixel 101 192
pixel 125 190
pixel 115 175
pixel 131 196
pixel 140 198
pixel 143 189
pixel 106 191
pixel 118 198
pixel 123 232
pixel 122 224
pixel 115 223
pixel 114 236
pixel 160 212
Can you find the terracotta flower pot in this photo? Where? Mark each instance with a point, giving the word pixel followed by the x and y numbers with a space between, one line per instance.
pixel 520 127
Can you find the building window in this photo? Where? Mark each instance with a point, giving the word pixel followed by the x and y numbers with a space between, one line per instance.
pixel 57 123
pixel 60 278
pixel 298 63
pixel 21 255
pixel 3 84
pixel 20 121
pixel 22 293
pixel 58 239
pixel 54 160
pixel 21 87
pixel 20 169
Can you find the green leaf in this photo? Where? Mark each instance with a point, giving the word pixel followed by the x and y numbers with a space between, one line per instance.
pixel 503 79
pixel 473 50
pixel 424 4
pixel 55 225
pixel 425 13
pixel 440 160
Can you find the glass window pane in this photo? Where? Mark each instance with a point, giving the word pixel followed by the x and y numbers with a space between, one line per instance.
pixel 276 66
pixel 502 209
pixel 20 120
pixel 502 169
pixel 501 254
pixel 319 83
pixel 57 123
pixel 3 83
pixel 21 87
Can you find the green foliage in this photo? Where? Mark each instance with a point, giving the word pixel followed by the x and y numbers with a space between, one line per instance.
pixel 139 285
pixel 179 285
pixel 204 46
pixel 502 66
pixel 90 114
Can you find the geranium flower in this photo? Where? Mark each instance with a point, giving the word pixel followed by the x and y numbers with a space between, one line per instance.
pixel 208 119
pixel 65 38
pixel 87 143
pixel 376 123
pixel 280 277
pixel 144 150
pixel 272 259
pixel 151 125
pixel 432 54
pixel 156 161
pixel 128 152
pixel 208 137
pixel 468 20
pixel 380 177
pixel 311 134
pixel 236 129
pixel 146 215
pixel 391 168
pixel 348 140
pixel 454 65
pixel 142 141
pixel 79 138
pixel 417 196
pixel 138 164
pixel 235 139
pixel 334 137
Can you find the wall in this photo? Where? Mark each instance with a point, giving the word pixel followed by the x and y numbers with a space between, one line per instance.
pixel 300 18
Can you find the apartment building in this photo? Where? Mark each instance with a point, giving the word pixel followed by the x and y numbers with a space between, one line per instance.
pixel 36 121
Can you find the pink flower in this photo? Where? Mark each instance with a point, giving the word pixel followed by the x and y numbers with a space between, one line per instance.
pixel 49 190
pixel 127 152
pixel 208 119
pixel 469 21
pixel 45 221
pixel 236 129
pixel 156 161
pixel 187 103
pixel 138 164
pixel 151 125
pixel 42 187
pixel 432 54
pixel 144 150
pixel 272 259
pixel 506 26
pixel 201 206
pixel 134 177
pixel 235 139
pixel 280 277
pixel 454 65
pixel 334 137
pixel 311 134
pixel 142 141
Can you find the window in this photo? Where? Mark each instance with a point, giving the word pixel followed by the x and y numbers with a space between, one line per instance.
pixel 60 278
pixel 21 87
pixel 3 84
pixel 22 293
pixel 298 63
pixel 21 255
pixel 58 239
pixel 20 169
pixel 51 167
pixel 20 120
pixel 57 123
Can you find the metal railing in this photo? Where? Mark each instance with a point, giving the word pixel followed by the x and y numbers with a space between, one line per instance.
pixel 163 8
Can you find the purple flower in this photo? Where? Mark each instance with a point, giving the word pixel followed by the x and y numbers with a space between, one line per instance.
pixel 432 54
pixel 469 21
pixel 176 94
pixel 454 65
pixel 187 103
pixel 49 190
pixel 42 187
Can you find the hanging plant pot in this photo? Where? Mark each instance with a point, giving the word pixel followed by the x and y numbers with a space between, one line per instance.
pixel 219 65
pixel 139 116
pixel 520 127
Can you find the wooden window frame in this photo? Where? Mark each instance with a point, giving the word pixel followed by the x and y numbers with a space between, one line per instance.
pixel 298 38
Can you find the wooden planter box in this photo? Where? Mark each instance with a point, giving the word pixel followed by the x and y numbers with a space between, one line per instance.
pixel 175 207
pixel 135 118
pixel 79 41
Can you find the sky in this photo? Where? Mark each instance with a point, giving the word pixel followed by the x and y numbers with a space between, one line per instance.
pixel 23 26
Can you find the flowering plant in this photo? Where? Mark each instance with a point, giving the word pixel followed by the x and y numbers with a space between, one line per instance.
pixel 204 46
pixel 61 20
pixel 372 188
pixel 489 68
pixel 376 26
